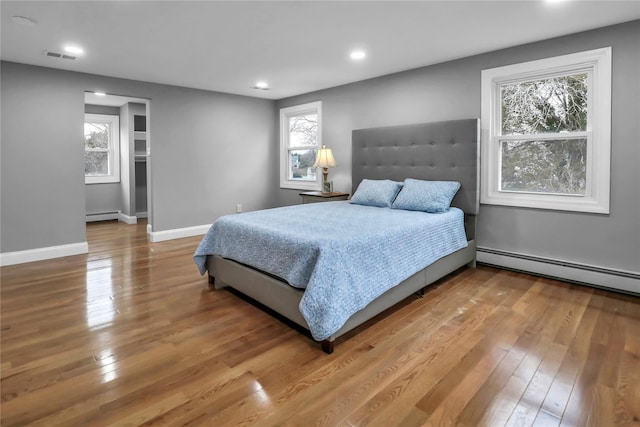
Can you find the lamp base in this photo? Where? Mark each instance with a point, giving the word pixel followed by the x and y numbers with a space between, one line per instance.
pixel 327 186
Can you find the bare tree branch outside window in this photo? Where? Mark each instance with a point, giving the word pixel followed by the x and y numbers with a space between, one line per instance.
pixel 303 132
pixel 556 105
pixel 96 145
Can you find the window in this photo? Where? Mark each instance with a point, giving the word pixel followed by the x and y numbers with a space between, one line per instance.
pixel 300 138
pixel 546 128
pixel 101 148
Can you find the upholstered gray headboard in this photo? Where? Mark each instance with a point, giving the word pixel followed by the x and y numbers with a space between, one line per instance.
pixel 438 151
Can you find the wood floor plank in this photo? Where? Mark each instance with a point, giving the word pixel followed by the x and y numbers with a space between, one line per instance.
pixel 131 334
pixel 484 398
pixel 441 352
pixel 580 406
pixel 529 405
pixel 448 411
pixel 506 400
pixel 426 323
pixel 545 419
pixel 627 392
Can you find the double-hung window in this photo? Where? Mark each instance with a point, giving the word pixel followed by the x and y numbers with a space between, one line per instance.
pixel 101 148
pixel 546 133
pixel 300 139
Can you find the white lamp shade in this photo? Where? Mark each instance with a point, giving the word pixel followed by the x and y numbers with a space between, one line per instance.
pixel 324 158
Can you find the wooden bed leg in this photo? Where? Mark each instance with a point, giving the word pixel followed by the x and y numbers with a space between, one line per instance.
pixel 327 346
pixel 421 292
pixel 212 282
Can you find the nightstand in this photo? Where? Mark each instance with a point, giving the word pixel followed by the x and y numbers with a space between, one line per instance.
pixel 317 196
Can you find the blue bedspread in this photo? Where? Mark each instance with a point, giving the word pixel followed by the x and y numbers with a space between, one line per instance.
pixel 345 255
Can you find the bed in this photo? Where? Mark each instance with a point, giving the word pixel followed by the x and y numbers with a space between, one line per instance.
pixel 439 151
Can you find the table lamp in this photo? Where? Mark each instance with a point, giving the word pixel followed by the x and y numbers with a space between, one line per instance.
pixel 325 160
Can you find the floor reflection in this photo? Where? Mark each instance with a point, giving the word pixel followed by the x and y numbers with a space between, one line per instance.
pixel 262 395
pixel 108 366
pixel 100 306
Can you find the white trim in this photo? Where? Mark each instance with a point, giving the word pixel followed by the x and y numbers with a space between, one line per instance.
pixel 178 233
pixel 127 219
pixel 106 216
pixel 40 254
pixel 573 272
pixel 285 113
pixel 596 199
pixel 149 228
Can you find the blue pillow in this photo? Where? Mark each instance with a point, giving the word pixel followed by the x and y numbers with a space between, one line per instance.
pixel 372 192
pixel 426 196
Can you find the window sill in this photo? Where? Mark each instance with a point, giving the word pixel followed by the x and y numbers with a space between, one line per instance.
pixel 295 185
pixel 101 180
pixel 558 203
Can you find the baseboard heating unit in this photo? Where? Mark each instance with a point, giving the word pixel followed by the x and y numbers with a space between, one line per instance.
pixel 602 277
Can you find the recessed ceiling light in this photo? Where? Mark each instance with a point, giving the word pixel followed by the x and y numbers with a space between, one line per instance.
pixel 358 54
pixel 261 86
pixel 73 49
pixel 99 93
pixel 23 20
pixel 59 55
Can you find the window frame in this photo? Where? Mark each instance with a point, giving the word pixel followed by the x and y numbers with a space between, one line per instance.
pixel 597 64
pixel 285 114
pixel 113 152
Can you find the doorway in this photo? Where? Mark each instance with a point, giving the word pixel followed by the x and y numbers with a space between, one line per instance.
pixel 126 197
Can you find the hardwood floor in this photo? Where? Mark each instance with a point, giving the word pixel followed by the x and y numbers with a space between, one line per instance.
pixel 130 334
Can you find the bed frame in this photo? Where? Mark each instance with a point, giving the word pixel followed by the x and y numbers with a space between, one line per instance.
pixel 432 151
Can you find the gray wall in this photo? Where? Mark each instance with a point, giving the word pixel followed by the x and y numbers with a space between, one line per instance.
pixel 42 198
pixel 210 151
pixel 452 91
pixel 213 151
pixel 102 198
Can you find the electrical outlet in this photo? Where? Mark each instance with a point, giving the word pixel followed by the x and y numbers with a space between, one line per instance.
pixel 238 208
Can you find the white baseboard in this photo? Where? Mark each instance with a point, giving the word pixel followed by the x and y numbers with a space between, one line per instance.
pixel 178 233
pixel 573 272
pixel 108 216
pixel 127 219
pixel 39 254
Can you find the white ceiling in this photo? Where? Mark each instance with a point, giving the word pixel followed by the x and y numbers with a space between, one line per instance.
pixel 295 46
